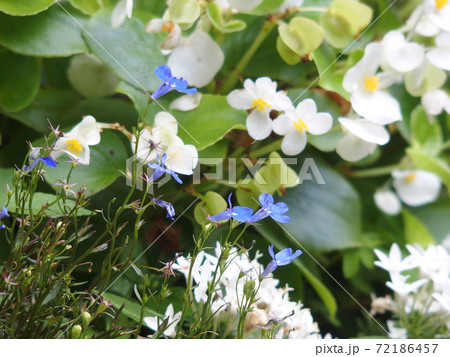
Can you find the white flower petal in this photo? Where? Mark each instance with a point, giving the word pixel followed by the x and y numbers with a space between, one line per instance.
pixel 293 143
pixel 366 130
pixel 186 102
pixel 379 107
pixel 240 99
pixel 440 58
pixel 120 12
pixel 197 59
pixel 167 121
pixel 73 146
pixel 416 187
pixel 88 130
pixel 259 125
pixel 351 148
pixel 401 55
pixel 284 123
pixel 435 102
pixel 319 124
pixel 182 158
pixel 388 202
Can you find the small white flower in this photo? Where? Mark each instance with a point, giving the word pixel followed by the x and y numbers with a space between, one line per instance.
pixel 401 287
pixel 438 12
pixel 262 97
pixel 365 84
pixel 394 263
pixel 172 322
pixel 399 54
pixel 396 332
pixel 186 102
pixel 421 23
pixel 123 9
pixel 361 138
pixel 440 56
pixel 182 159
pixel 435 102
pixel 444 297
pixel 387 201
pixel 172 29
pixel 416 187
pixel 296 122
pixel 197 59
pixel 76 142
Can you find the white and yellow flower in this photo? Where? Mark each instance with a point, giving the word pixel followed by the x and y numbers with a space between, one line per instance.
pixel 416 187
pixel 399 55
pixel 76 142
pixel 295 123
pixel 438 11
pixel 262 97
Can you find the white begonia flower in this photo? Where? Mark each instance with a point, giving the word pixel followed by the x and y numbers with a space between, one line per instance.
pixel 438 12
pixel 290 3
pixel 365 85
pixel 244 6
pixel 294 123
pixel 401 287
pixel 361 138
pixel 435 102
pixel 123 9
pixel 262 97
pixel 172 29
pixel 399 54
pixel 186 102
pixel 172 322
pixel 162 138
pixel 440 56
pixel 420 22
pixel 416 187
pixel 387 201
pixel 394 263
pixel 76 142
pixel 197 59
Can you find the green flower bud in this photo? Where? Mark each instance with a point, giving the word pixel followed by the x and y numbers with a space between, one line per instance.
pixel 249 289
pixel 76 331
pixel 86 318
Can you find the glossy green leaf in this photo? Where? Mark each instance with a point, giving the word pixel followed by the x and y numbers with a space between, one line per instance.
pixel 131 308
pixel 141 102
pixel 215 114
pixel 89 7
pixel 425 135
pixel 53 33
pixel 129 51
pixel 435 218
pixel 415 231
pixel 350 263
pixel 107 160
pixel 429 163
pixel 19 80
pixel 24 7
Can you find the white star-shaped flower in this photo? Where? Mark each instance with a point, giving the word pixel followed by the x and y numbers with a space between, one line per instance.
pixel 394 263
pixel 172 322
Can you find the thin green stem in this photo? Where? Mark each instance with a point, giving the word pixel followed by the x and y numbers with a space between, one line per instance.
pixel 378 171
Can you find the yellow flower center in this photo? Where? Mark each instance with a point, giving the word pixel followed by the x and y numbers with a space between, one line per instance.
pixel 167 27
pixel 410 177
pixel 371 84
pixel 74 146
pixel 300 125
pixel 260 104
pixel 440 3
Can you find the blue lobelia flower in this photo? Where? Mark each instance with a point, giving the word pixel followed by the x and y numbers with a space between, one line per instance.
pixel 239 213
pixel 167 206
pixel 3 214
pixel 47 160
pixel 170 83
pixel 270 209
pixel 160 169
pixel 284 257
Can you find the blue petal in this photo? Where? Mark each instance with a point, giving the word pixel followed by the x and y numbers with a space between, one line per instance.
pixel 261 214
pixel 4 212
pixel 221 216
pixel 265 199
pixel 161 90
pixel 2 226
pixel 283 255
pixel 270 249
pixel 164 73
pixel 241 214
pixel 297 253
pixel 269 269
pixel 280 218
pixel 157 173
pixel 279 208
pixel 33 164
pixel 47 160
pixel 174 175
pixel 229 200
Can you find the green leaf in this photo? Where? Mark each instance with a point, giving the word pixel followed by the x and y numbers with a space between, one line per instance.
pixel 435 218
pixel 215 114
pixel 334 202
pixel 129 51
pixel 350 263
pixel 266 7
pixel 141 102
pixel 302 35
pixel 6 176
pixel 415 231
pixel 107 159
pixel 24 7
pixel 426 136
pixel 215 16
pixel 52 33
pixel 428 163
pixel 89 7
pixel 131 308
pixel 19 80
pixel 330 77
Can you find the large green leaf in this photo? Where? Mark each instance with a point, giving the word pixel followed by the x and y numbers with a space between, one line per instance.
pixel 24 7
pixel 435 218
pixel 129 51
pixel 19 80
pixel 53 33
pixel 415 230
pixel 6 176
pixel 210 122
pixel 324 216
pixel 107 159
pixel 429 163
pixel 266 7
pixel 131 308
pixel 87 6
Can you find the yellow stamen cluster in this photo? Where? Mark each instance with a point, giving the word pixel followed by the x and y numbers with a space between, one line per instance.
pixel 300 125
pixel 74 146
pixel 260 104
pixel 440 3
pixel 168 27
pixel 371 84
pixel 410 177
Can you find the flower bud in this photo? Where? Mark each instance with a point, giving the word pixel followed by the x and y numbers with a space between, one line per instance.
pixel 76 331
pixel 249 289
pixel 86 318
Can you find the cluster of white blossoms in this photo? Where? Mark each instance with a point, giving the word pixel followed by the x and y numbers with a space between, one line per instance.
pixel 272 305
pixel 421 285
pixel 162 139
